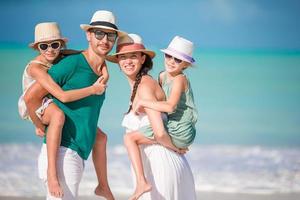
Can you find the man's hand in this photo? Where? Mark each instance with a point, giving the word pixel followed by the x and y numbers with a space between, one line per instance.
pixel 40 131
pixel 98 87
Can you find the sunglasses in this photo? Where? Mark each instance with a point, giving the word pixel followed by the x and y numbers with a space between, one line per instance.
pixel 178 61
pixel 99 35
pixel 44 46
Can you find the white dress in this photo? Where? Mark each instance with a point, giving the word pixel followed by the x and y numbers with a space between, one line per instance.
pixel 27 82
pixel 168 172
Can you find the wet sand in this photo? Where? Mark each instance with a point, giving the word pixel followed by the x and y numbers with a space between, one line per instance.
pixel 200 196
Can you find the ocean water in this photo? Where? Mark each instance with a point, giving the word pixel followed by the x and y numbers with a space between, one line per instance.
pixel 248 133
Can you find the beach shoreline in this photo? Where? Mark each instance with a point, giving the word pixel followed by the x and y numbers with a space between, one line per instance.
pixel 200 196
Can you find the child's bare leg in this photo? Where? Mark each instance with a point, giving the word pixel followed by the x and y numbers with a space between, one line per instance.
pixel 100 163
pixel 165 140
pixel 55 119
pixel 131 141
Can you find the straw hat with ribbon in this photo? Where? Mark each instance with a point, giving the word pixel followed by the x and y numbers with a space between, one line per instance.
pixel 47 31
pixel 180 48
pixel 129 44
pixel 103 19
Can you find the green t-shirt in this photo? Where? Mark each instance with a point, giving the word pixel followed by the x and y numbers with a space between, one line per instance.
pixel 81 117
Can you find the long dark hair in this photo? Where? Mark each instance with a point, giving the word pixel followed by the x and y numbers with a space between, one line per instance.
pixel 147 65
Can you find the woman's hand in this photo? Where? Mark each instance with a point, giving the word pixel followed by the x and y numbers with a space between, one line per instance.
pixel 98 86
pixel 138 106
pixel 182 151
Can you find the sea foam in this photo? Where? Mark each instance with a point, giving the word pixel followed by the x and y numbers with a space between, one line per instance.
pixel 242 169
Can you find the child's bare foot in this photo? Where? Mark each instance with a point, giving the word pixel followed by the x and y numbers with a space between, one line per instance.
pixel 140 189
pixel 54 187
pixel 104 192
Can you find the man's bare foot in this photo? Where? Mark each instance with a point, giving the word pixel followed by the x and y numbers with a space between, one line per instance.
pixel 104 192
pixel 140 189
pixel 54 187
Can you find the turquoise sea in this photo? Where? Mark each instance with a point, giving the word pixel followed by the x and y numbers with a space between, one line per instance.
pixel 248 133
pixel 243 97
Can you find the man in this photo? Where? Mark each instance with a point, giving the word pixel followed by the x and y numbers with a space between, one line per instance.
pixel 81 117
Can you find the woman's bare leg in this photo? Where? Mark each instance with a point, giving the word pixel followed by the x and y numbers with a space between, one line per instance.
pixel 131 141
pixel 55 119
pixel 100 164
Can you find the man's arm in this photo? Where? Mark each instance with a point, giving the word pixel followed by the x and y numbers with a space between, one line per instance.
pixel 34 95
pixel 33 100
pixel 105 74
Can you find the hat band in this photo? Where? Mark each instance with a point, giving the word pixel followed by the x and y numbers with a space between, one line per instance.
pixel 130 47
pixel 187 57
pixel 102 23
pixel 55 37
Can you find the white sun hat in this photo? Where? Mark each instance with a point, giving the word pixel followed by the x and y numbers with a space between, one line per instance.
pixel 47 31
pixel 103 19
pixel 180 48
pixel 129 44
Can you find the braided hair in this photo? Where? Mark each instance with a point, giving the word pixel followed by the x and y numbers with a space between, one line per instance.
pixel 147 65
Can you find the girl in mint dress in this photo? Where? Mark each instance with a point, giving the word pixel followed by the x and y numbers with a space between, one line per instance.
pixel 179 103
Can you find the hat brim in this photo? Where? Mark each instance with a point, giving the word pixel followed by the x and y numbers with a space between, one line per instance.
pixel 176 55
pixel 86 27
pixel 113 58
pixel 33 45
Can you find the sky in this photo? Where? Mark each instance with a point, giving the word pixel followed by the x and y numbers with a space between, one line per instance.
pixel 210 24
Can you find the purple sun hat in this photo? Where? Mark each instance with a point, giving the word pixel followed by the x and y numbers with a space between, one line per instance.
pixel 180 48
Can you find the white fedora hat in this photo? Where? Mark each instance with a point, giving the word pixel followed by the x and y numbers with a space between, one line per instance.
pixel 47 31
pixel 129 44
pixel 103 19
pixel 180 48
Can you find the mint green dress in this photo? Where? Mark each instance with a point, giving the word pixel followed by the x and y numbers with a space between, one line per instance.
pixel 181 122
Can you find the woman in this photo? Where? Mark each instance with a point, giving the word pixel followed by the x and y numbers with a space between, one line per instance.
pixel 167 174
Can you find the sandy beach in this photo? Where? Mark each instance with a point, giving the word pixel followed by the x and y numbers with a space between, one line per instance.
pixel 200 196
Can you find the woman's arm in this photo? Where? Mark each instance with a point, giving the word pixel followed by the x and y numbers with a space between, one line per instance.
pixel 43 78
pixel 170 104
pixel 33 100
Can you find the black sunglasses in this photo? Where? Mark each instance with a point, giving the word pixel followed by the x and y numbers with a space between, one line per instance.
pixel 44 46
pixel 99 35
pixel 178 61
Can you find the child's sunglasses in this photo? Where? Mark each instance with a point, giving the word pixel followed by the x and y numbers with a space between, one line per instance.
pixel 54 45
pixel 178 61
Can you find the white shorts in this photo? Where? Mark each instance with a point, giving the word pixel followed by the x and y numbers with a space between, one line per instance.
pixel 70 168
pixel 40 111
pixel 23 112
